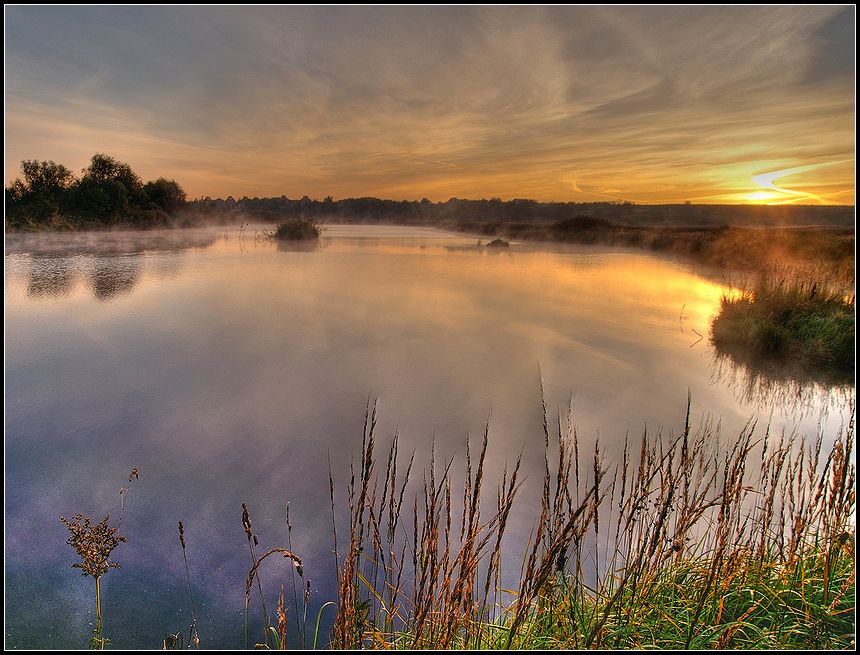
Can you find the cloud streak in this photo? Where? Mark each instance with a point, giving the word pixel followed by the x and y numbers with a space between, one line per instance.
pixel 654 104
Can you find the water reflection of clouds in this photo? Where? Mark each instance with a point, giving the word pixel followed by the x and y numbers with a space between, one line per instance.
pixel 239 379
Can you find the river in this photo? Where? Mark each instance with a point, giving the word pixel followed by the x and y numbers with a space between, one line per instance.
pixel 230 369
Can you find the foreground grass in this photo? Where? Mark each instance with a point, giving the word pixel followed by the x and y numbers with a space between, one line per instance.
pixel 755 605
pixel 806 324
pixel 695 543
pixel 696 547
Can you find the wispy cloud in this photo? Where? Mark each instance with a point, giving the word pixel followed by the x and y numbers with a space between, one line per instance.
pixel 652 104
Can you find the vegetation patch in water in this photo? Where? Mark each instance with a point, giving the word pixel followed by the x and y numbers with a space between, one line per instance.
pixel 297 229
pixel 801 324
pixel 498 243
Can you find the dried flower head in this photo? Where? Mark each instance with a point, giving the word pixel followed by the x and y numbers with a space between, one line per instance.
pixel 182 535
pixel 135 474
pixel 93 542
pixel 246 521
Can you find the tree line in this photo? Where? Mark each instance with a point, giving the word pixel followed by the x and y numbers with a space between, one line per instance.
pixel 107 192
pixel 476 215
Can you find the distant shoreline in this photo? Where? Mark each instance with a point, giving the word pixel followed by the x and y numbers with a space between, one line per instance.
pixel 109 195
pixel 741 247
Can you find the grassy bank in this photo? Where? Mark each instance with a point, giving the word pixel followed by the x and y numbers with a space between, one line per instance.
pixel 694 547
pixel 683 540
pixel 737 248
pixel 806 326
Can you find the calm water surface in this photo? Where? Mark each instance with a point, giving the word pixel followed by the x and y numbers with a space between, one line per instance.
pixel 229 369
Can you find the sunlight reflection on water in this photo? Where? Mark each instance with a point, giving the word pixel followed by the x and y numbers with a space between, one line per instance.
pixel 230 369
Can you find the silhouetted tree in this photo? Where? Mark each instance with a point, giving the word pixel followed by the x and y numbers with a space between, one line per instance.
pixel 165 194
pixel 41 193
pixel 108 190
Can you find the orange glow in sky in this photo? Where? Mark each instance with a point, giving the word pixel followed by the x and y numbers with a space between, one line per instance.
pixel 707 104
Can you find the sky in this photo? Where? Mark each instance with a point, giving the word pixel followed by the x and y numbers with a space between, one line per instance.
pixel 643 104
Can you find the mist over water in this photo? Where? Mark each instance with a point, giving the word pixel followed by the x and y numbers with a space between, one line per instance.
pixel 230 369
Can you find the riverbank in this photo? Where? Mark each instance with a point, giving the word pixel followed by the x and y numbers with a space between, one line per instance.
pixel 735 248
pixel 688 547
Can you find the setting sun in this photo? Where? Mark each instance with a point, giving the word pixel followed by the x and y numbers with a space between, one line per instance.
pixel 479 102
pixel 761 196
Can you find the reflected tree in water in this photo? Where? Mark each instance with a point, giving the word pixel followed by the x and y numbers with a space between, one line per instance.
pixel 113 276
pixel 298 246
pixel 51 277
pixel 110 264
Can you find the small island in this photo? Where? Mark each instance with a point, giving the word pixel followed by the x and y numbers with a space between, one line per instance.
pixel 499 243
pixel 804 325
pixel 297 229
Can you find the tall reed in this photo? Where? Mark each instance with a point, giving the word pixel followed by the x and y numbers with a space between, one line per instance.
pixel 697 544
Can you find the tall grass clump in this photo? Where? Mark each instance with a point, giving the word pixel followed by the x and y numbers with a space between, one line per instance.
pixel 193 632
pixel 427 589
pixel 684 540
pixel 297 229
pixel 692 543
pixel 274 634
pixel 806 323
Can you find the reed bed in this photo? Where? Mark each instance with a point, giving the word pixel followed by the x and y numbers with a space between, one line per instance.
pixel 683 541
pixel 690 544
pixel 790 322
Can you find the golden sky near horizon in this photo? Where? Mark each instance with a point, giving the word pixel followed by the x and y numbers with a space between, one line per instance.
pixel 647 104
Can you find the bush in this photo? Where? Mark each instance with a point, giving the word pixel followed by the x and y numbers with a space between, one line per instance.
pixel 297 229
